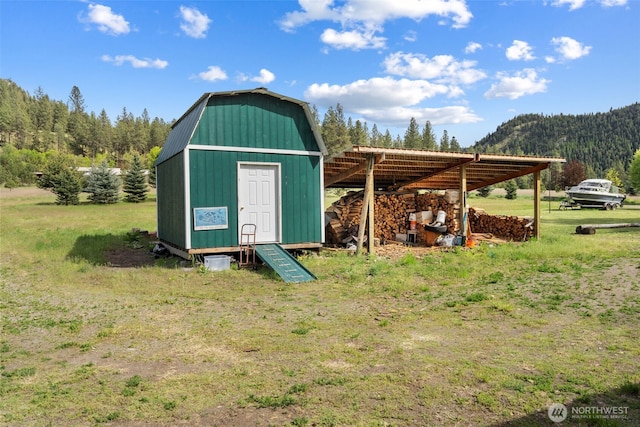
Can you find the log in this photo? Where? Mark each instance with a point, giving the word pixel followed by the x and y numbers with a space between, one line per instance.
pixel 591 228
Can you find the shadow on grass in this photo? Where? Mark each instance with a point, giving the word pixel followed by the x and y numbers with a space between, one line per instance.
pixel 617 407
pixel 126 250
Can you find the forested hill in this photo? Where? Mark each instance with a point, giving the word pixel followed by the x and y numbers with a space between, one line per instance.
pixel 599 140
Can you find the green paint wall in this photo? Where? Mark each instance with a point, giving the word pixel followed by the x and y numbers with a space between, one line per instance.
pixel 214 181
pixel 171 200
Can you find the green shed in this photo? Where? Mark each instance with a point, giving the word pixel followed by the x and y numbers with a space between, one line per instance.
pixel 236 158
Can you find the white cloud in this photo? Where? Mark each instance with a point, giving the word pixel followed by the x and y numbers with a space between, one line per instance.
pixel 573 4
pixel 570 49
pixel 194 23
pixel 577 4
pixel 107 21
pixel 472 47
pixel 525 82
pixel 520 50
pixel 136 62
pixel 354 40
pixel 213 74
pixel 440 68
pixel 378 92
pixel 361 19
pixel 264 78
pixel 389 101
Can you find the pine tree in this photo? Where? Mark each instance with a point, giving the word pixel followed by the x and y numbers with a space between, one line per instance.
pixel 135 182
pixel 455 145
pixel 444 141
pixel 103 186
pixel 62 179
pixel 412 137
pixel 512 190
pixel 428 137
pixel 485 191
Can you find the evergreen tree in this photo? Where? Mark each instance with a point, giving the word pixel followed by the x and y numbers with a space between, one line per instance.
pixel 444 141
pixel 334 131
pixel 412 137
pixel 62 179
pixel 485 191
pixel 358 133
pixel 455 145
pixel 135 182
pixel 387 140
pixel 376 137
pixel 512 190
pixel 103 186
pixel 428 137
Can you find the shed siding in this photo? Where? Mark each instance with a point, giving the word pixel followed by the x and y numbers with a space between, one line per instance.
pixel 171 200
pixel 214 179
pixel 256 121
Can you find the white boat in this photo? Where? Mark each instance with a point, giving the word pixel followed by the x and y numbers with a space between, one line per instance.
pixel 599 193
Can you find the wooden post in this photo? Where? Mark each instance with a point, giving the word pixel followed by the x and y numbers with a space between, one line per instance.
pixel 370 186
pixel 464 220
pixel 536 203
pixel 367 208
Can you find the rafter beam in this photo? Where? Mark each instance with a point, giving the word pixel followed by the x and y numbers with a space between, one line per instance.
pixel 379 158
pixel 449 167
pixel 507 177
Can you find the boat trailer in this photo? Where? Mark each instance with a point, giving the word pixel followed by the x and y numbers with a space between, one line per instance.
pixel 569 204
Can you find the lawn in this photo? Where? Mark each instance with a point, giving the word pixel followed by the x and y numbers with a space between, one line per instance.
pixel 95 331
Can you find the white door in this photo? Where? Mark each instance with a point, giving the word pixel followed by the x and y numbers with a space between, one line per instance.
pixel 258 200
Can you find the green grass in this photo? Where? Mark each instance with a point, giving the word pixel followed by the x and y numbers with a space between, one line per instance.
pixel 463 337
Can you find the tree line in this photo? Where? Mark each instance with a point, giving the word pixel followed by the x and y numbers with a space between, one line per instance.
pixel 35 128
pixel 600 141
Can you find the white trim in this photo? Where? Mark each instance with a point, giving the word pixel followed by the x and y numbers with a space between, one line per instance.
pixel 157 207
pixel 253 150
pixel 278 167
pixel 187 202
pixel 322 227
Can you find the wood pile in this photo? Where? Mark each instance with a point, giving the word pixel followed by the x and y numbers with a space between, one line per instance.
pixel 511 228
pixel 436 202
pixel 391 215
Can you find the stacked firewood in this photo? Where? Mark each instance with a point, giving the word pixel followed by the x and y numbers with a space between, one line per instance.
pixel 436 202
pixel 511 228
pixel 391 213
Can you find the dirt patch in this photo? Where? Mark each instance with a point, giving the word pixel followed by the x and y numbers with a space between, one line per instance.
pixel 133 254
pixel 129 258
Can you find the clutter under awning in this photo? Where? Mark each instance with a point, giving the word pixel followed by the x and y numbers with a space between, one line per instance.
pixel 401 171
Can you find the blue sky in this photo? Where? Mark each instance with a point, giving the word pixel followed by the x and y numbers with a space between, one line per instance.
pixel 465 66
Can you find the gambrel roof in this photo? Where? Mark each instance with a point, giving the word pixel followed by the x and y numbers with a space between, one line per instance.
pixel 183 129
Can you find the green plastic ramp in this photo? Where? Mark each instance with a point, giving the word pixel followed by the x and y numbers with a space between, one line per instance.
pixel 283 263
